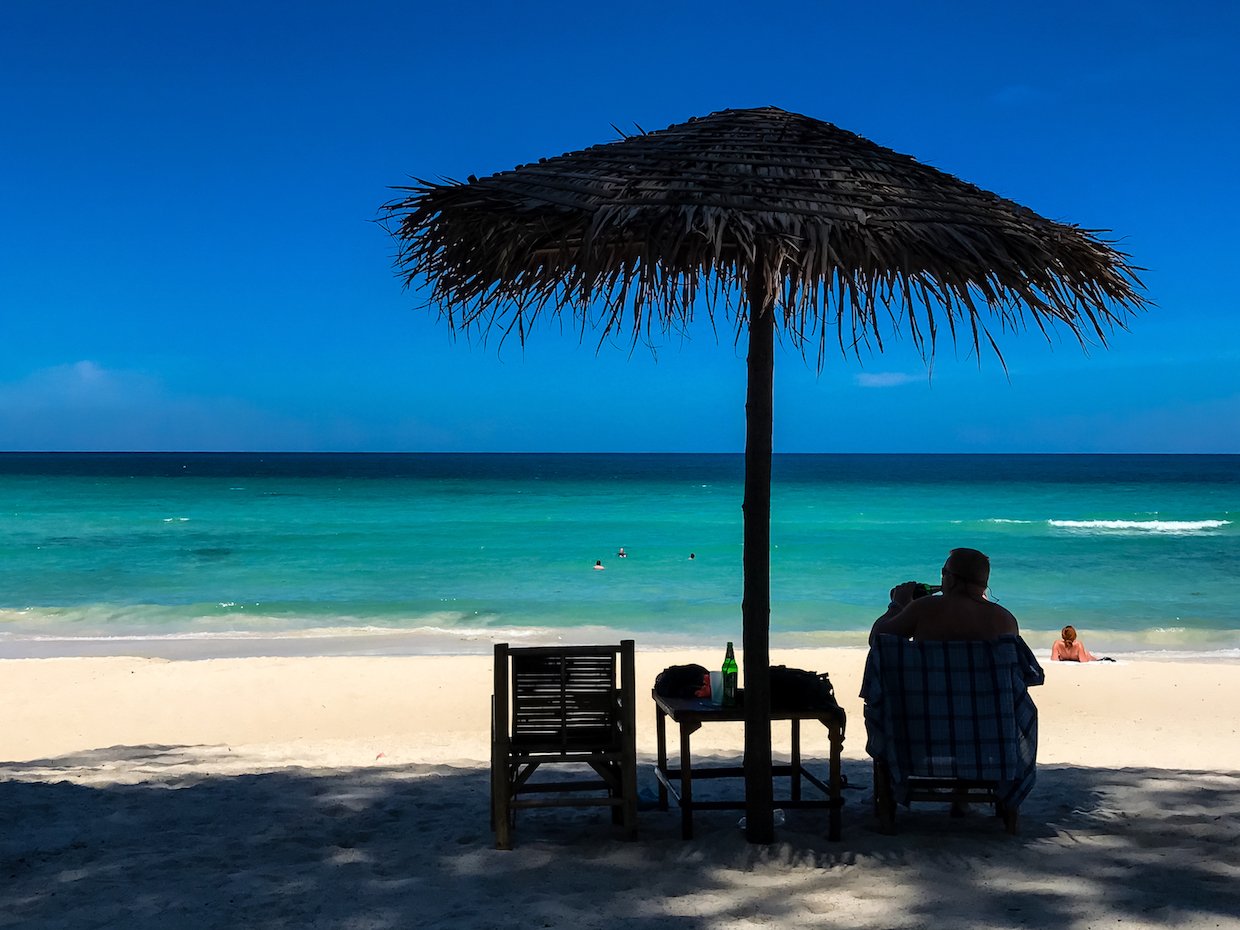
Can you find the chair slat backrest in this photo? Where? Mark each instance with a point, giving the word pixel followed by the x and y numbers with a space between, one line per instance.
pixel 565 699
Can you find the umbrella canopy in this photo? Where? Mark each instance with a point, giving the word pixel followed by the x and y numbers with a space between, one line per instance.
pixel 830 239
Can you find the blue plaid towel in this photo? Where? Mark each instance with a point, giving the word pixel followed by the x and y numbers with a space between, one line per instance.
pixel 953 710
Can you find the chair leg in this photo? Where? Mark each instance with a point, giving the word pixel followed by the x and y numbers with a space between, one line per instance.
pixel 621 778
pixel 884 799
pixel 1011 820
pixel 501 806
pixel 616 794
pixel 628 759
pixel 628 777
pixel 501 775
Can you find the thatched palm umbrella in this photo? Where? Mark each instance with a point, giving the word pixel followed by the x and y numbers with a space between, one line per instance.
pixel 830 238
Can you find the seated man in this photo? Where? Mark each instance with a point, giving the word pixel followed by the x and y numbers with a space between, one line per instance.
pixel 951 721
pixel 960 613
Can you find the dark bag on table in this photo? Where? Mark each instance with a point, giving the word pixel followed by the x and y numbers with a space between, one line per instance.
pixel 797 689
pixel 679 681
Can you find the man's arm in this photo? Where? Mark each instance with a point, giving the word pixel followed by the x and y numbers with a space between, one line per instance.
pixel 897 619
pixel 892 622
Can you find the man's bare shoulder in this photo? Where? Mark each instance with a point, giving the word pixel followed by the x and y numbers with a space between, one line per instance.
pixel 945 618
pixel 1003 616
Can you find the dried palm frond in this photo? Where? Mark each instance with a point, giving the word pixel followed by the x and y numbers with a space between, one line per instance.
pixel 857 240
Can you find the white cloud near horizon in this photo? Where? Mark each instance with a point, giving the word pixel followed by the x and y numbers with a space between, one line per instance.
pixel 884 379
pixel 82 406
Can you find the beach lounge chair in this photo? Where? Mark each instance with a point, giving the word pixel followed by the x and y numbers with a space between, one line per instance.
pixel 951 722
pixel 561 705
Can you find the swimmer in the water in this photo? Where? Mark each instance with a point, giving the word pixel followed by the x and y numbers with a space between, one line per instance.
pixel 599 567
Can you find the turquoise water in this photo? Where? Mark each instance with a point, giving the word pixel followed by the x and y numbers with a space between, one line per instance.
pixel 238 554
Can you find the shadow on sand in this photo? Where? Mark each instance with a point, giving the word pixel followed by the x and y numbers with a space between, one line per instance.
pixel 411 847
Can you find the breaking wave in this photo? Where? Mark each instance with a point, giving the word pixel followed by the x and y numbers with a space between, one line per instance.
pixel 1142 526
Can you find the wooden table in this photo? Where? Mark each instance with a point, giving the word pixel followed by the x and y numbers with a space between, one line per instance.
pixel 691 713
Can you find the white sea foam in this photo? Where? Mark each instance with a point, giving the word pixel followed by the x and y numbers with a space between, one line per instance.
pixel 321 641
pixel 1182 655
pixel 1143 526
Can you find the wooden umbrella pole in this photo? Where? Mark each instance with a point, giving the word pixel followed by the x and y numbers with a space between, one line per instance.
pixel 756 603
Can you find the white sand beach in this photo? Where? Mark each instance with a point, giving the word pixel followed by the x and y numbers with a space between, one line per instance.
pixel 352 792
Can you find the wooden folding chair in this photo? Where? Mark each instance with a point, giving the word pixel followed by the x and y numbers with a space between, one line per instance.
pixel 563 705
pixel 952 723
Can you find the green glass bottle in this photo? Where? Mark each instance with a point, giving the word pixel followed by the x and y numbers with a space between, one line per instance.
pixel 730 672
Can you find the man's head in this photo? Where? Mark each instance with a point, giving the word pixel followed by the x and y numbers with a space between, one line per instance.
pixel 968 567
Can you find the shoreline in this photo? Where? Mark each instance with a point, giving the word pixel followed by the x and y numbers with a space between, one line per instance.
pixel 1150 645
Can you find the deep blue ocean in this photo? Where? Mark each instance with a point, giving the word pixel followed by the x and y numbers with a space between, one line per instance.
pixel 212 554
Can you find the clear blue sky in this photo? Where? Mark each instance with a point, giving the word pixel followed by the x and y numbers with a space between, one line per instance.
pixel 188 258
